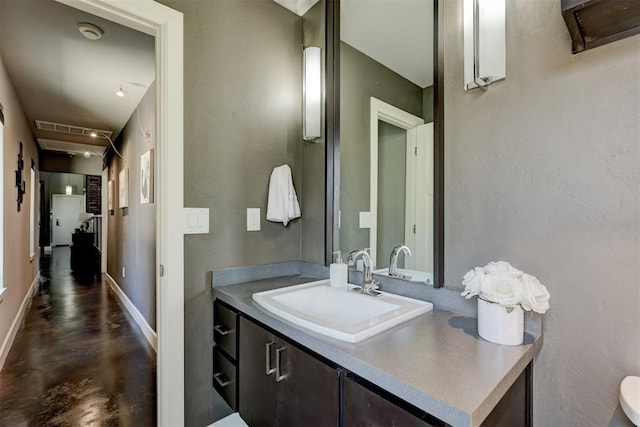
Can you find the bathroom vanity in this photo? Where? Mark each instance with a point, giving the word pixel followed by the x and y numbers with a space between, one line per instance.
pixel 429 371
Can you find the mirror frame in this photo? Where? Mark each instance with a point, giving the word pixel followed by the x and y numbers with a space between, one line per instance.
pixel 332 153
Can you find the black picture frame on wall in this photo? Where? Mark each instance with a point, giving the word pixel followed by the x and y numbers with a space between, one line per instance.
pixel 20 183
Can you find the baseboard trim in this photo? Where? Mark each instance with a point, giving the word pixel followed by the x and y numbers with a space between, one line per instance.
pixel 147 331
pixel 18 320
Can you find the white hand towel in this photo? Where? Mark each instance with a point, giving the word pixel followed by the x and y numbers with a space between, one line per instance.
pixel 282 205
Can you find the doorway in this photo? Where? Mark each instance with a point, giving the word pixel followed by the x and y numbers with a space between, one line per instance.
pixel 166 25
pixel 65 211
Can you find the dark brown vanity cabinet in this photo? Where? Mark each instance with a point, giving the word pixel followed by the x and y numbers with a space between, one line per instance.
pixel 364 407
pixel 225 337
pixel 282 385
pixel 273 382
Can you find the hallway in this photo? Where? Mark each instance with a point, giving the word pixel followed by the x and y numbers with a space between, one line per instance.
pixel 78 359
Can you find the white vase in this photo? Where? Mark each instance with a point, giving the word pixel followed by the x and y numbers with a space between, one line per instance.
pixel 497 325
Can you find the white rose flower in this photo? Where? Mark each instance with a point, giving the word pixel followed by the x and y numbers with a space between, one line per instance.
pixel 502 267
pixel 471 282
pixel 536 297
pixel 499 282
pixel 504 289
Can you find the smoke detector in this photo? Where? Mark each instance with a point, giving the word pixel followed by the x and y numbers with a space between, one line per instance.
pixel 90 31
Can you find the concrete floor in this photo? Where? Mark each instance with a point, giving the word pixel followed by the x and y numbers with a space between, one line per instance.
pixel 78 359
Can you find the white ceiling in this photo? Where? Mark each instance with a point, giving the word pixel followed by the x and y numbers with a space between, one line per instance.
pixel 62 77
pixel 396 33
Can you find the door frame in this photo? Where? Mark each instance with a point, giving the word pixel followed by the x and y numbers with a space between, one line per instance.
pixel 380 110
pixel 166 25
pixel 418 211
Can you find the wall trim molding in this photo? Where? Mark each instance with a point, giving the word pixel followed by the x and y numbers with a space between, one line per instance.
pixel 147 331
pixel 18 320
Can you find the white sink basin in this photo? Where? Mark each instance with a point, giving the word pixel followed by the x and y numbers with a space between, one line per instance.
pixel 340 313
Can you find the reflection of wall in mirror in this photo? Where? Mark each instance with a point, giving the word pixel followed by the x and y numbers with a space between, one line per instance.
pixel 392 147
pixel 360 78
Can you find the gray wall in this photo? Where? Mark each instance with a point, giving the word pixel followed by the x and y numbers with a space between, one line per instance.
pixel 131 231
pixel 312 194
pixel 360 78
pixel 543 171
pixel 392 190
pixel 427 104
pixel 243 96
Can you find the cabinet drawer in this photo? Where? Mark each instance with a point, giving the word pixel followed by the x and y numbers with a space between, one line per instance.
pixel 224 328
pixel 224 378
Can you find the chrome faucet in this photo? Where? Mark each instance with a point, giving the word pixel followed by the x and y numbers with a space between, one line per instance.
pixel 369 284
pixel 393 262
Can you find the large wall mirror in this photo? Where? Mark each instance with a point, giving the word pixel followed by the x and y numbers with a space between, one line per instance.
pixel 387 147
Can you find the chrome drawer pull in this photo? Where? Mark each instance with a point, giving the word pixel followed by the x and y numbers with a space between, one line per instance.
pixel 279 375
pixel 221 329
pixel 223 382
pixel 267 359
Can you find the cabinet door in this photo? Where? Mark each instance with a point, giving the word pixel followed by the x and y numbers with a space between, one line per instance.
pixel 257 396
pixel 514 408
pixel 307 390
pixel 363 407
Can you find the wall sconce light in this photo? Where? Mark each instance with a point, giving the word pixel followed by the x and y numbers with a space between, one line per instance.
pixel 68 190
pixel 312 94
pixel 484 43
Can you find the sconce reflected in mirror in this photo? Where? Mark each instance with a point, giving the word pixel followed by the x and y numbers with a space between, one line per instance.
pixel 312 94
pixel 484 43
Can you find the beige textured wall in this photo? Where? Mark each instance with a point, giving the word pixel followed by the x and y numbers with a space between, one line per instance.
pixel 543 170
pixel 19 270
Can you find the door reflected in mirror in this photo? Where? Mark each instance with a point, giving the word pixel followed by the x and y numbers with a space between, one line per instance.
pixel 386 132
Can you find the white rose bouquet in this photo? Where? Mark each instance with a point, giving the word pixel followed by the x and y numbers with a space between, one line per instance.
pixel 500 283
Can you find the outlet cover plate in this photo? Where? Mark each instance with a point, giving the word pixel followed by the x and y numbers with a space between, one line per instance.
pixel 253 219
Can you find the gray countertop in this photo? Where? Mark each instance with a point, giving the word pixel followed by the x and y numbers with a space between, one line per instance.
pixel 436 362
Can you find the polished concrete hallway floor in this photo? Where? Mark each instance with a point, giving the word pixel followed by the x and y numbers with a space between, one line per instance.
pixel 78 360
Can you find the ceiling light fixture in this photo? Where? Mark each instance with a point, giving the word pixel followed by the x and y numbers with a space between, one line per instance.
pixel 96 134
pixel 120 92
pixel 90 31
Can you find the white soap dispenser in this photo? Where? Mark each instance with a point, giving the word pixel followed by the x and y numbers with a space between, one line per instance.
pixel 338 274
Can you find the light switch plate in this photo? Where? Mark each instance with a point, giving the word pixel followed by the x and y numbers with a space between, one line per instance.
pixel 365 219
pixel 196 220
pixel 253 219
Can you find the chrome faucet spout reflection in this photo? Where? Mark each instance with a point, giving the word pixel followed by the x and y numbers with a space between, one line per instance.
pixel 369 284
pixel 393 261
